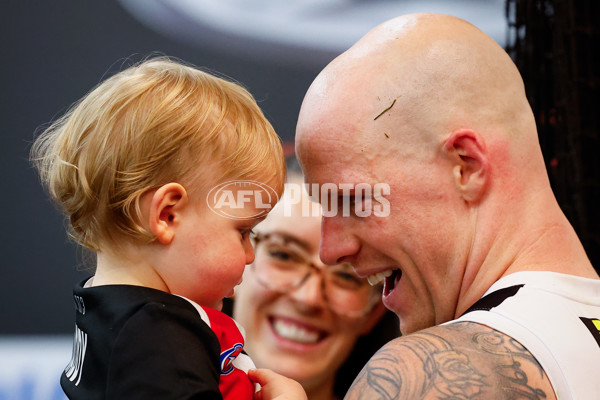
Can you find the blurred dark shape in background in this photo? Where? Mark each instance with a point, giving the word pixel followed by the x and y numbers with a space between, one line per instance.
pixel 556 46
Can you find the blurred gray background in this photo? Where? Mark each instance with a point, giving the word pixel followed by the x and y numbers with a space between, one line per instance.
pixel 55 51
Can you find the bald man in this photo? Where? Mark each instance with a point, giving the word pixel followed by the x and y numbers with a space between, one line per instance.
pixel 495 294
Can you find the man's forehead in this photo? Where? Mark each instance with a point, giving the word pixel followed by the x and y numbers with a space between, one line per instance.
pixel 312 162
pixel 336 167
pixel 328 130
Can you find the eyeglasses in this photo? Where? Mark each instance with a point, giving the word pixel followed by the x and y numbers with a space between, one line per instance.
pixel 282 264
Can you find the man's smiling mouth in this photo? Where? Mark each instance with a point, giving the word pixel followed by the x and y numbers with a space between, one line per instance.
pixel 390 277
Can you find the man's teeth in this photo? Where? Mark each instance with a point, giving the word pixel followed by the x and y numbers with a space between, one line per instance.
pixel 379 277
pixel 294 332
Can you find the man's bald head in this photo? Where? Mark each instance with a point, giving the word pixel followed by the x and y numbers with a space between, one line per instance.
pixel 435 109
pixel 431 74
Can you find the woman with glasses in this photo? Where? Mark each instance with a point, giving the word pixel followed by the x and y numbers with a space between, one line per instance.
pixel 303 319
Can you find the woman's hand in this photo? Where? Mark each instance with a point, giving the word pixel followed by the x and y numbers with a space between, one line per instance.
pixel 275 386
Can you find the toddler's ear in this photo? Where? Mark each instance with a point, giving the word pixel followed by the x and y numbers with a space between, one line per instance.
pixel 165 211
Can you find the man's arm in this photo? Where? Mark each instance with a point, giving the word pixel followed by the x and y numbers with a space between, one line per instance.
pixel 459 361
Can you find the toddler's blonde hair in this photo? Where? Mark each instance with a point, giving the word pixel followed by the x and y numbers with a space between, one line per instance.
pixel 156 122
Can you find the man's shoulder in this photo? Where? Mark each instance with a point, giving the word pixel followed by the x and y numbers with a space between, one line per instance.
pixel 458 360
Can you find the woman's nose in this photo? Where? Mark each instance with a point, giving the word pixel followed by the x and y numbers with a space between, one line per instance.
pixel 311 292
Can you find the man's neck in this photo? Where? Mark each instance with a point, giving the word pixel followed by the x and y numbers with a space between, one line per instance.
pixel 544 241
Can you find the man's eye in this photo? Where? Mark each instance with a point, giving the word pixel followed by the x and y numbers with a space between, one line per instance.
pixel 246 233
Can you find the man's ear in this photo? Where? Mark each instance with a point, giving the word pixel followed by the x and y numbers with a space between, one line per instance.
pixel 471 169
pixel 165 211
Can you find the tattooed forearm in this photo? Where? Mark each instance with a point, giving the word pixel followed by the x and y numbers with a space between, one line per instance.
pixel 451 363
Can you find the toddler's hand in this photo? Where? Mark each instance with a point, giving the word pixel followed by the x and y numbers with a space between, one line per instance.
pixel 275 386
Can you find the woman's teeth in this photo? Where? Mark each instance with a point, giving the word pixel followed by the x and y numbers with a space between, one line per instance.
pixel 294 332
pixel 379 277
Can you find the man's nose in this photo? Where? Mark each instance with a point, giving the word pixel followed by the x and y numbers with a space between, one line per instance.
pixel 338 244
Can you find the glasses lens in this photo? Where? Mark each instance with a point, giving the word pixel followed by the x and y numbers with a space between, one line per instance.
pixel 279 266
pixel 283 265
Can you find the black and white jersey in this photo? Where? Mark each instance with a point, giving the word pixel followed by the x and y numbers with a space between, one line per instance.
pixel 134 342
pixel 554 316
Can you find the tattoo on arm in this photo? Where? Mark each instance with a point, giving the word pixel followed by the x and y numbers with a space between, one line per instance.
pixel 511 357
pixel 383 380
pixel 454 362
